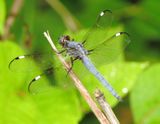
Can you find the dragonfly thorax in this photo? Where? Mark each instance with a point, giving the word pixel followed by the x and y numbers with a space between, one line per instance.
pixel 76 50
pixel 73 48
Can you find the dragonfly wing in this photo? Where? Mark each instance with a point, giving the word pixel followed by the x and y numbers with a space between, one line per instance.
pixel 31 62
pixel 109 49
pixel 41 82
pixel 42 66
pixel 99 29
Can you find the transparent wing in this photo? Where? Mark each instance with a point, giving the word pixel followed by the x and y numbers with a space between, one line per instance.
pixel 49 79
pixel 31 62
pixel 42 82
pixel 109 49
pixel 42 74
pixel 98 32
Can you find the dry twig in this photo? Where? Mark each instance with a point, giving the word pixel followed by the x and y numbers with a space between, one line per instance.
pixel 106 107
pixel 98 113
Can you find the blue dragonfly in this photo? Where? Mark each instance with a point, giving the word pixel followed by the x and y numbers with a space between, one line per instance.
pixel 96 47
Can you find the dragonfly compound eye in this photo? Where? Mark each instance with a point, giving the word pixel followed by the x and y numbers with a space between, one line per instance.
pixel 63 39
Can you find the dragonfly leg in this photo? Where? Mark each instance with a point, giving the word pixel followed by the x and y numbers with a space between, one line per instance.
pixel 61 51
pixel 90 51
pixel 72 61
pixel 83 42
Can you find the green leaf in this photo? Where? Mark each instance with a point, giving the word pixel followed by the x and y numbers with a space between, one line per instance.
pixel 2 15
pixel 8 51
pixel 121 75
pixel 153 116
pixel 56 105
pixel 15 105
pixel 145 100
pixel 17 108
pixel 59 106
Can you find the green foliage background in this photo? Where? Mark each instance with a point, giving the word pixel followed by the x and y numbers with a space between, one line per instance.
pixel 138 69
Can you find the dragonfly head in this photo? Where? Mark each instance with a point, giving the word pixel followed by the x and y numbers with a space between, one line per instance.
pixel 63 40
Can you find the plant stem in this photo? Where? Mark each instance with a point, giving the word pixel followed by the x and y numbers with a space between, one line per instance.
pixel 106 107
pixel 70 22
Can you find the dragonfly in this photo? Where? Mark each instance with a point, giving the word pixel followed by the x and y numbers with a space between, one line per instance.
pixel 96 48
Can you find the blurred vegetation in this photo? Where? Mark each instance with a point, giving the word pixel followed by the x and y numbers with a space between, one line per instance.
pixel 138 70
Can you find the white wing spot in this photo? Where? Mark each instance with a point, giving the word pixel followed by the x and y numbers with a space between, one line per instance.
pixel 125 90
pixel 21 57
pixel 102 13
pixel 38 77
pixel 118 34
